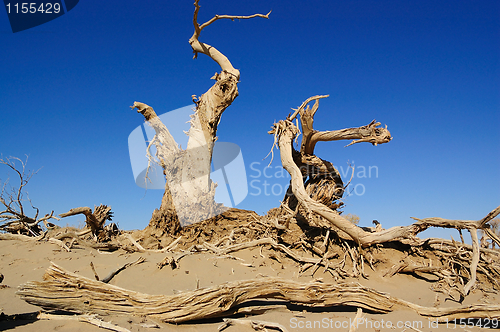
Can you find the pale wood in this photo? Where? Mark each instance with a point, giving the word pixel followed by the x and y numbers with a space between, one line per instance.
pixel 474 261
pixel 95 220
pixel 257 325
pixel 20 237
pixel 493 237
pixel 285 132
pixel 85 319
pixel 354 324
pixel 60 243
pixel 212 52
pixel 189 192
pixel 63 290
pixel 121 268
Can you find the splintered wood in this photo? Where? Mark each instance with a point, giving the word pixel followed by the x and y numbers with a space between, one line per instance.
pixel 63 290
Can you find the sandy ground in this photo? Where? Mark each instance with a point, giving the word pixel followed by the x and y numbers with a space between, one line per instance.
pixel 24 261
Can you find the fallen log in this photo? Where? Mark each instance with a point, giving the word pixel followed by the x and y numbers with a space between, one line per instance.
pixel 66 291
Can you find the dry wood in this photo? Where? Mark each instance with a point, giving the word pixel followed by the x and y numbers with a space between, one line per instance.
pixel 474 261
pixel 258 325
pixel 76 237
pixel 357 318
pixel 189 192
pixel 212 52
pixel 493 236
pixel 173 244
pixel 20 237
pixel 135 243
pixel 274 245
pixel 123 267
pixel 91 319
pixel 285 132
pixel 13 218
pixel 95 272
pixel 60 243
pixel 405 267
pixel 63 290
pixel 173 260
pixel 94 220
pixel 444 245
pixel 141 249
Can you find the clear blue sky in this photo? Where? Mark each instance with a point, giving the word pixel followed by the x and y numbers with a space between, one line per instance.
pixel 428 69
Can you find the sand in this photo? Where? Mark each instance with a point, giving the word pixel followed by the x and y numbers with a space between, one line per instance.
pixel 22 261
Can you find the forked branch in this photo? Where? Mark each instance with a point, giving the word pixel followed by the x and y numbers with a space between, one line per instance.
pixel 199 47
pixel 371 133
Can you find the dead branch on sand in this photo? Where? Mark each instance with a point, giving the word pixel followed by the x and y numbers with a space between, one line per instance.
pixel 91 319
pixel 95 220
pixel 13 218
pixel 257 325
pixel 63 290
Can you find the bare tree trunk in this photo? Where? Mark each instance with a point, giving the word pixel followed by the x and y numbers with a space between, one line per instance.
pixel 321 180
pixel 321 215
pixel 189 192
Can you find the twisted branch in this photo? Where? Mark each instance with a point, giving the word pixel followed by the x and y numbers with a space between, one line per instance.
pixel 212 52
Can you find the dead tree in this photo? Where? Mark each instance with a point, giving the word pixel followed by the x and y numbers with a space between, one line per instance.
pixel 13 218
pixel 320 179
pixel 189 192
pixel 95 220
pixel 318 214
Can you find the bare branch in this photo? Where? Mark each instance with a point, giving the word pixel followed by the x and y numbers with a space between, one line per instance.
pixel 371 133
pixel 304 104
pixel 489 217
pixel 13 218
pixel 232 18
pixel 199 47
pixel 285 132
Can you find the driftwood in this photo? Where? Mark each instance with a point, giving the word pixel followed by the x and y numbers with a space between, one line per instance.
pixel 95 220
pixel 56 239
pixel 274 245
pixel 91 319
pixel 77 238
pixel 20 237
pixel 63 290
pixel 121 268
pixel 257 325
pixel 141 249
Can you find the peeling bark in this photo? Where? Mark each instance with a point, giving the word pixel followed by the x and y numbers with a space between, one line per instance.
pixel 189 192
